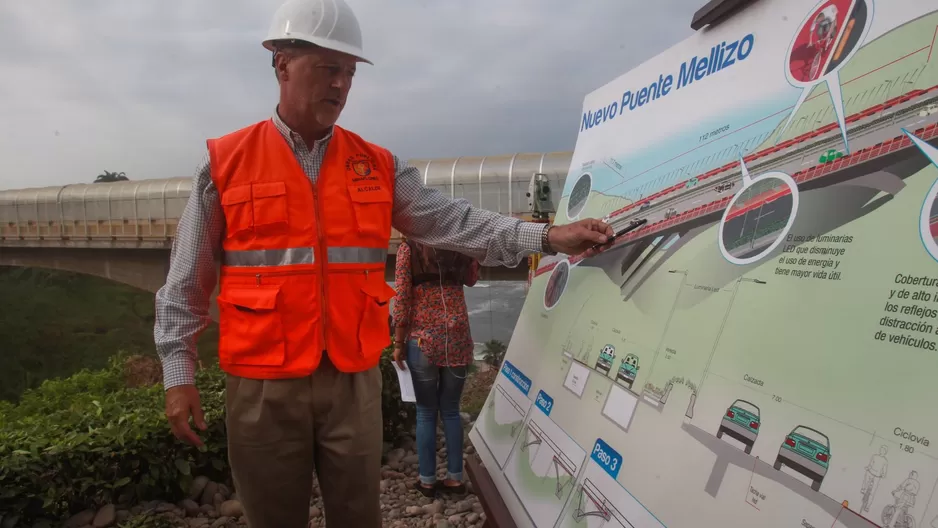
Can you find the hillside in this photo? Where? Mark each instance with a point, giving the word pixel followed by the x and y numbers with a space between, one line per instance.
pixel 54 323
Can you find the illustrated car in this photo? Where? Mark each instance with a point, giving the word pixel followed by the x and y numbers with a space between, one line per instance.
pixel 690 183
pixel 723 187
pixel 644 206
pixel 807 451
pixel 606 357
pixel 628 369
pixel 741 421
pixel 670 213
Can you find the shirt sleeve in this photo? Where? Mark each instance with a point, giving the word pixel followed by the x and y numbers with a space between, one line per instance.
pixel 428 216
pixel 182 304
pixel 403 281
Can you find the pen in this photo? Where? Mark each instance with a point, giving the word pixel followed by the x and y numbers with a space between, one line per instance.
pixel 635 224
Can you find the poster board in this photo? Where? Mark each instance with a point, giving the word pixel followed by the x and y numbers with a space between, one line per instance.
pixel 763 351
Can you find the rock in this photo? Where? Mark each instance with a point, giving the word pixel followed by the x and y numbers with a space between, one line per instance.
pixel 472 518
pixel 208 494
pixel 122 515
pixel 105 517
pixel 224 491
pixel 9 521
pixel 469 450
pixel 314 512
pixel 413 510
pixel 198 522
pixel 197 486
pixel 221 521
pixel 455 519
pixel 463 506
pixel 190 507
pixel 80 519
pixel 207 509
pixel 477 507
pixel 217 500
pixel 433 508
pixel 394 514
pixel 443 524
pixel 406 442
pixel 410 459
pixel 231 508
pixel 395 455
pixel 164 507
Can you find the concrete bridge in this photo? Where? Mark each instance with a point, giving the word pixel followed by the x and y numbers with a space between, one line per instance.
pixel 124 231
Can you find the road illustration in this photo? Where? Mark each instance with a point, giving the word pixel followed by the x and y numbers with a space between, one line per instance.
pixel 543 468
pixel 729 454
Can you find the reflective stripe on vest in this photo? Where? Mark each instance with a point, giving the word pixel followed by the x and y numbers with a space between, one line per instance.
pixel 304 255
pixel 270 257
pixel 358 255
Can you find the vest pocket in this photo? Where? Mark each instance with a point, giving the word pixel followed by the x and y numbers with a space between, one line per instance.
pixel 251 330
pixel 372 210
pixel 269 203
pixel 374 334
pixel 236 203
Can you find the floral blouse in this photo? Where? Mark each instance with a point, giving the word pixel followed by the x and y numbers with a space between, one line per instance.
pixel 437 317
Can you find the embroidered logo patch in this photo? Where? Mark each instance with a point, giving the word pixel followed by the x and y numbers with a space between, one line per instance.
pixel 360 164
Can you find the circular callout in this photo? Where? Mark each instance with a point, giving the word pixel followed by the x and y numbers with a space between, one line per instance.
pixel 826 39
pixel 556 284
pixel 758 218
pixel 579 195
pixel 928 221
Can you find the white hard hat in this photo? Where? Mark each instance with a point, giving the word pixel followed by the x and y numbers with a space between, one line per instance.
pixel 330 24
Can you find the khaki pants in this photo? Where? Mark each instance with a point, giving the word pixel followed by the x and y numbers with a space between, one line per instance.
pixel 279 431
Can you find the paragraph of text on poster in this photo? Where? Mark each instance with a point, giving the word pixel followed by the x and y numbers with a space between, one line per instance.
pixel 911 309
pixel 815 257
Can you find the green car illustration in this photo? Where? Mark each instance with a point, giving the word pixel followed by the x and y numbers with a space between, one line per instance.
pixel 606 357
pixel 628 369
pixel 741 422
pixel 807 451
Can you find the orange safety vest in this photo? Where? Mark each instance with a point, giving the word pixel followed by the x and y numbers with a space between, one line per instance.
pixel 303 265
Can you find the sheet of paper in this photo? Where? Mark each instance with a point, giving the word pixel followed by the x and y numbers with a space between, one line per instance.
pixel 407 384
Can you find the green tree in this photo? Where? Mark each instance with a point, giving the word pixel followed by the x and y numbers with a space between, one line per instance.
pixel 109 176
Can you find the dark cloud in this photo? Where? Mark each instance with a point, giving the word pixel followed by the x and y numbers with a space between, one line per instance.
pixel 138 86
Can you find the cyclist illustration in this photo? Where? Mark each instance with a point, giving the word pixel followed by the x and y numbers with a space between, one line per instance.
pixel 896 515
pixel 875 471
pixel 823 31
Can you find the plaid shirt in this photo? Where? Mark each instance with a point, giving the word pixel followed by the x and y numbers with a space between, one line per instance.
pixel 421 213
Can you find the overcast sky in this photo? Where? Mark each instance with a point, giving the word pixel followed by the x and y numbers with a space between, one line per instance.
pixel 137 86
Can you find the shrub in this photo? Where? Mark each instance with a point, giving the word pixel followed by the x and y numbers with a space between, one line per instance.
pixel 86 440
pixel 494 352
pixel 397 415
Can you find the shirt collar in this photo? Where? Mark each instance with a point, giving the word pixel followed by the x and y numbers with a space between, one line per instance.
pixel 293 138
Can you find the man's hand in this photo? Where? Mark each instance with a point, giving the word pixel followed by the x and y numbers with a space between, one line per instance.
pixel 573 239
pixel 182 402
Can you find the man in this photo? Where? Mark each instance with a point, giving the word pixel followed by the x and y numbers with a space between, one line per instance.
pixel 299 212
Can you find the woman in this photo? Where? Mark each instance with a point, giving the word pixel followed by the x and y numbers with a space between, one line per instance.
pixel 433 324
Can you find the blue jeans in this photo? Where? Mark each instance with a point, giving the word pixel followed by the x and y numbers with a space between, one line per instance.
pixel 438 389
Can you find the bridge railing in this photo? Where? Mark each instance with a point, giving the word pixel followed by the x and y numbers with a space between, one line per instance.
pixel 145 213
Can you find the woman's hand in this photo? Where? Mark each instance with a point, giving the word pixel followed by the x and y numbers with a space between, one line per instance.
pixel 398 356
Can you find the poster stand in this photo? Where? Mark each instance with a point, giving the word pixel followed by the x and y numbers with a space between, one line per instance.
pixel 496 512
pixel 717 11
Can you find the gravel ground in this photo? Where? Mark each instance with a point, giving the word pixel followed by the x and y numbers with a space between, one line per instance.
pixel 213 505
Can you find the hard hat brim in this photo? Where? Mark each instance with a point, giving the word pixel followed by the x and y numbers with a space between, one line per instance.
pixel 270 44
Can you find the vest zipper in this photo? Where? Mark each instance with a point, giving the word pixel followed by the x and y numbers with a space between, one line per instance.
pixel 323 262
